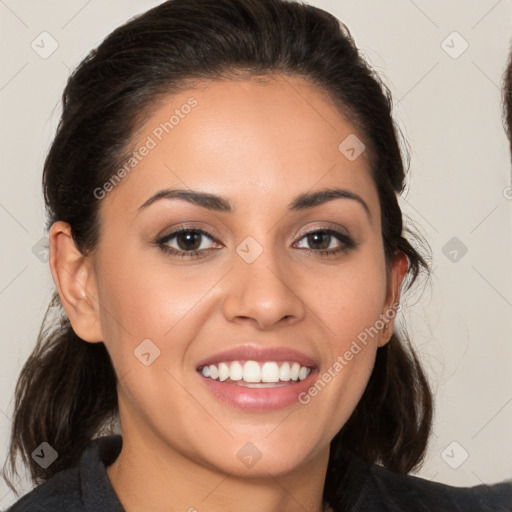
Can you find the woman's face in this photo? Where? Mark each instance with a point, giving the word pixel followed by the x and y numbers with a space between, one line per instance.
pixel 263 274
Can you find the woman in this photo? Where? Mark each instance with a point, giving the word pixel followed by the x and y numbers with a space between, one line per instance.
pixel 228 254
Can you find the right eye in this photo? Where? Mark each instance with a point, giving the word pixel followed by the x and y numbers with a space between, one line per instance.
pixel 186 242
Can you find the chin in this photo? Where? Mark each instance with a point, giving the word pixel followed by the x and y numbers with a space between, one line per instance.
pixel 253 459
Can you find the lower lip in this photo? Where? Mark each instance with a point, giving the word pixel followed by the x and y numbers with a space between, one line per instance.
pixel 260 399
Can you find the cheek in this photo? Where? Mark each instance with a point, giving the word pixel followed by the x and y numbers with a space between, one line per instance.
pixel 353 298
pixel 350 308
pixel 148 299
pixel 145 301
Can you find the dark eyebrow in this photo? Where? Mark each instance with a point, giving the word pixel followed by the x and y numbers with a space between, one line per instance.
pixel 311 199
pixel 210 201
pixel 220 204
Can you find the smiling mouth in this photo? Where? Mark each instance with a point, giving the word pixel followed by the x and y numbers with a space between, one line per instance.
pixel 255 374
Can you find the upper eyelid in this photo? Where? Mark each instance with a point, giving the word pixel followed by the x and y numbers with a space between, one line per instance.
pixel 338 229
pixel 186 228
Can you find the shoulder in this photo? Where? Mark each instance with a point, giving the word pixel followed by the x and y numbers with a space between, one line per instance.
pixel 60 493
pixel 407 492
pixel 82 488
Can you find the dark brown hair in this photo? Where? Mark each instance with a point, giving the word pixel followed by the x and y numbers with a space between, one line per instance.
pixel 66 393
pixel 507 99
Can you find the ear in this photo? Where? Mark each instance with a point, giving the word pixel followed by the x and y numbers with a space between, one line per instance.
pixel 397 270
pixel 73 275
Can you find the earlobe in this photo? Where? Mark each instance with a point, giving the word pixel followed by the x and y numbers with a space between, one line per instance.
pixel 74 278
pixel 397 272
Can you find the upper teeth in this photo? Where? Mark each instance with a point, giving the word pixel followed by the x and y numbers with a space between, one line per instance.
pixel 252 371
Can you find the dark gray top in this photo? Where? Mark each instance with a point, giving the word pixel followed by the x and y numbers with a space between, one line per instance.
pixel 369 488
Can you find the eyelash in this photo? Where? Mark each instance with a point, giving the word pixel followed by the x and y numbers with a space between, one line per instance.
pixel 347 241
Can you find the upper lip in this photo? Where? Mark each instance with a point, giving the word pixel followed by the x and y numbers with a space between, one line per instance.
pixel 261 354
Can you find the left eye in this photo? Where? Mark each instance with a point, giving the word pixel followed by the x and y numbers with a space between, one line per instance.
pixel 323 239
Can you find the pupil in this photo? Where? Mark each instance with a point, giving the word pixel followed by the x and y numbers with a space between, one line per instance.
pixel 315 237
pixel 191 238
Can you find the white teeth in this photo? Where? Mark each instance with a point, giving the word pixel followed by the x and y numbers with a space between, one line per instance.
pixel 254 372
pixel 214 372
pixel 270 372
pixel 294 372
pixel 223 371
pixel 236 371
pixel 284 372
pixel 303 372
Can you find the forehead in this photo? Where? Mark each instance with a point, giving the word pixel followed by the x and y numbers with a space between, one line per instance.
pixel 255 140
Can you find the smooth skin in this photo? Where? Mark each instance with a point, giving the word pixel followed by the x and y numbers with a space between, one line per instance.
pixel 258 144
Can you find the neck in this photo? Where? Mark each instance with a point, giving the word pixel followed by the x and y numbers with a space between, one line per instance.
pixel 148 475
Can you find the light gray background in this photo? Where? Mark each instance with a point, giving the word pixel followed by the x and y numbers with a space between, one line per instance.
pixel 449 111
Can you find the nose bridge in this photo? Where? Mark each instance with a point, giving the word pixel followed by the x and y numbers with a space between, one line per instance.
pixel 261 284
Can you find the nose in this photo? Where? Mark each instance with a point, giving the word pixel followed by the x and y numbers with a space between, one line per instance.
pixel 263 292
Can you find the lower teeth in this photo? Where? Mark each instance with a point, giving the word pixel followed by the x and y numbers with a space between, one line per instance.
pixel 261 384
